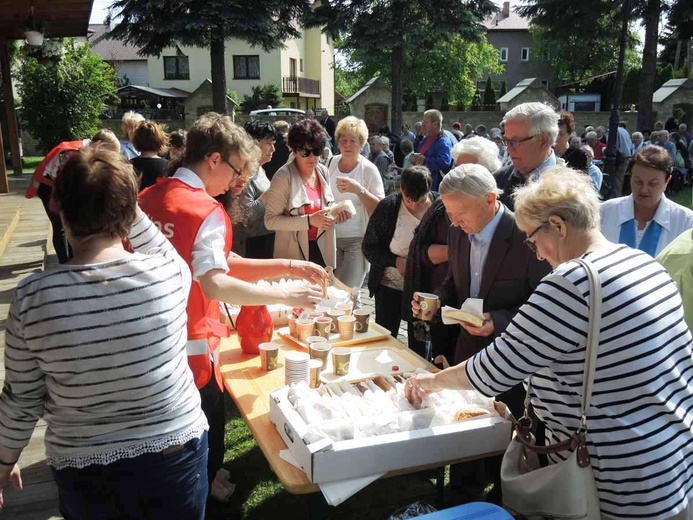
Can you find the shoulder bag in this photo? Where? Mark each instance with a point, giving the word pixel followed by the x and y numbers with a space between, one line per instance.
pixel 567 489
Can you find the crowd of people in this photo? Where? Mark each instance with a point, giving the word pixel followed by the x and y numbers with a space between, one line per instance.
pixel 162 227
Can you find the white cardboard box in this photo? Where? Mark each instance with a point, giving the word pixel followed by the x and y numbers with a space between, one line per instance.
pixel 327 461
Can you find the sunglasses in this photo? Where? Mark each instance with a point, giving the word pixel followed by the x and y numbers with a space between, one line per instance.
pixel 531 245
pixel 305 152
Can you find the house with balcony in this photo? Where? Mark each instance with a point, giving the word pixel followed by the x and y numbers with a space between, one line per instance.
pixel 509 32
pixel 303 69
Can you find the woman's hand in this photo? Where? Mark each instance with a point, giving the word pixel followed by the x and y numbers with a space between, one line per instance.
pixel 303 296
pixel 418 386
pixel 310 272
pixel 348 185
pixel 342 216
pixel 322 219
pixel 8 475
pixel 484 331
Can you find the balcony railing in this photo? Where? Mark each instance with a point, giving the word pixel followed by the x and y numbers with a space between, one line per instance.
pixel 296 85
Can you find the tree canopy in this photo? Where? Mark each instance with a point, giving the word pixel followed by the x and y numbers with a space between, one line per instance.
pixel 262 97
pixel 64 100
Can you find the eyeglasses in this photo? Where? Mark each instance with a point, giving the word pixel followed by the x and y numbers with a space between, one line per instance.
pixel 236 171
pixel 514 143
pixel 305 152
pixel 531 245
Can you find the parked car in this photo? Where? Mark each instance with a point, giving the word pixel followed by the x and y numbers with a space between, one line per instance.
pixel 277 113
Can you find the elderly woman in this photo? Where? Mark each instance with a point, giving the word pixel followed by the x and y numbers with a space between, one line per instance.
pixel 354 178
pixel 129 124
pixel 97 348
pixel 151 141
pixel 427 262
pixel 298 199
pixel 386 243
pixel 251 239
pixel 646 219
pixel 640 429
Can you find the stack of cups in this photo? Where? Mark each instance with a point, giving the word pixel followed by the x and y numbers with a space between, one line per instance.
pixel 296 367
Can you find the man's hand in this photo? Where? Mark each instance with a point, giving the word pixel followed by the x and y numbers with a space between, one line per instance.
pixel 416 306
pixel 322 219
pixel 302 296
pixel 310 272
pixel 485 330
pixel 12 475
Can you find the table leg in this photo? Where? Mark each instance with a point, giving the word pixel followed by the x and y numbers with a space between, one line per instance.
pixel 440 487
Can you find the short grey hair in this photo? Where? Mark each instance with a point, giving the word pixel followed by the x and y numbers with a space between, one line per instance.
pixel 435 116
pixel 683 127
pixel 385 141
pixel 560 191
pixel 589 136
pixel 485 151
pixel 637 134
pixel 472 179
pixel 653 135
pixel 665 133
pixel 542 118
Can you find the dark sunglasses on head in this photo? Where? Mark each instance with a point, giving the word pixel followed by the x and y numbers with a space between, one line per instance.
pixel 305 152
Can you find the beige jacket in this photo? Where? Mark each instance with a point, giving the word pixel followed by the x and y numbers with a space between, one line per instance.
pixel 284 214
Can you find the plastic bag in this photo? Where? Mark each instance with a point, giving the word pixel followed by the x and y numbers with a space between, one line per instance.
pixel 413 511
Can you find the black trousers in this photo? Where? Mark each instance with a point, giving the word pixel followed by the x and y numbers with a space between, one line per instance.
pixel 260 247
pixel 388 308
pixel 60 244
pixel 314 253
pixel 213 407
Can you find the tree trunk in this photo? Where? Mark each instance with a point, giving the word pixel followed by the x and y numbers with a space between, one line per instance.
pixel 396 119
pixel 216 50
pixel 649 64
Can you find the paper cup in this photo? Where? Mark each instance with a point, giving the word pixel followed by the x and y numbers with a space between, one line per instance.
pixel 335 313
pixel 314 315
pixel 315 339
pixel 322 309
pixel 269 356
pixel 304 328
pixel 429 305
pixel 340 360
pixel 319 351
pixel 315 366
pixel 292 325
pixel 323 327
pixel 346 307
pixel 363 317
pixel 345 324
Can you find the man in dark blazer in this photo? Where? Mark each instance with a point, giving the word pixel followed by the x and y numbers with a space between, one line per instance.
pixel 530 132
pixel 488 259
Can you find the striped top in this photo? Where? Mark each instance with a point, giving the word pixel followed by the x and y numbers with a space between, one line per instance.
pixel 99 351
pixel 639 421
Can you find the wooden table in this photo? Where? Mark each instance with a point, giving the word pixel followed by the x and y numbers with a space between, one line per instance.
pixel 250 387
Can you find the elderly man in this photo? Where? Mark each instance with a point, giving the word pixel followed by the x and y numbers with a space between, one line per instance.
pixel 530 132
pixel 662 139
pixel 624 147
pixel 592 139
pixel 638 142
pixel 329 125
pixel 488 259
pixel 434 150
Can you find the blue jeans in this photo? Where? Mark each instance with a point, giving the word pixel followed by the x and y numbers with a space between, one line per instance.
pixel 152 486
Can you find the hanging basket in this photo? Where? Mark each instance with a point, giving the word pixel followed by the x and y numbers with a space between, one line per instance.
pixel 34 38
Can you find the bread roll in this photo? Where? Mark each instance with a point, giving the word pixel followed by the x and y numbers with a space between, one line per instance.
pixel 470 413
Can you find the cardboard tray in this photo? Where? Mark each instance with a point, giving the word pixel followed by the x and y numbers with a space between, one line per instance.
pixel 371 362
pixel 328 461
pixel 375 332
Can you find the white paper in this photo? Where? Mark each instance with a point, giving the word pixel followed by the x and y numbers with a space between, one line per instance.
pixel 474 306
pixel 338 491
pixel 287 456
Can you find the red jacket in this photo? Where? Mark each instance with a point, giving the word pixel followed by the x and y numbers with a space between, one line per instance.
pixel 179 210
pixel 38 177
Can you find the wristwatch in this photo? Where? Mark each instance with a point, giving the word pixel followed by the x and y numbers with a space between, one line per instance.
pixel 362 191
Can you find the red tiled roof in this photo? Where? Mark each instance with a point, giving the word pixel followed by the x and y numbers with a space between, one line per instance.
pixel 111 50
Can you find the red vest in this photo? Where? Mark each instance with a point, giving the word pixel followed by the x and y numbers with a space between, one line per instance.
pixel 178 210
pixel 38 177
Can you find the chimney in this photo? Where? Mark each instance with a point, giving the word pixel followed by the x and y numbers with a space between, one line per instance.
pixel 506 9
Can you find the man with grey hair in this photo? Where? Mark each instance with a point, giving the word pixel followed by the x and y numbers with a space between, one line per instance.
pixel 489 260
pixel 662 139
pixel 592 139
pixel 530 131
pixel 638 141
pixel 434 150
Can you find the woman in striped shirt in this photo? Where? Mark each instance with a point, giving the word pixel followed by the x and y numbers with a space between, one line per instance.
pixel 97 348
pixel 639 421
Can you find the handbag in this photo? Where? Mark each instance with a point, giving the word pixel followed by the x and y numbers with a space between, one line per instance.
pixel 567 489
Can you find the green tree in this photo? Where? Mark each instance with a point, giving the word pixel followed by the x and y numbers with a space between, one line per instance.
pixel 676 34
pixel 347 80
pixel 153 25
pixel 262 96
pixel 448 65
pixel 503 89
pixel 489 95
pixel 64 101
pixel 390 26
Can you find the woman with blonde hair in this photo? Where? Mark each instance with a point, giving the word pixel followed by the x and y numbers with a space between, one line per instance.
pixel 129 124
pixel 639 425
pixel 353 177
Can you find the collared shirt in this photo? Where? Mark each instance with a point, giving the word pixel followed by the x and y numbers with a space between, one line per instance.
pixel 674 219
pixel 478 251
pixel 208 249
pixel 624 144
pixel 536 172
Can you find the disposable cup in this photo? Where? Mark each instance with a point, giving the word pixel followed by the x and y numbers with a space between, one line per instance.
pixel 315 366
pixel 345 324
pixel 316 339
pixel 429 305
pixel 319 351
pixel 323 327
pixel 363 317
pixel 340 360
pixel 346 307
pixel 292 325
pixel 304 328
pixel 335 313
pixel 269 356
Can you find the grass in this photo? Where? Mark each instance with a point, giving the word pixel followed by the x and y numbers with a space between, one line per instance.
pixel 259 494
pixel 30 163
pixel 683 197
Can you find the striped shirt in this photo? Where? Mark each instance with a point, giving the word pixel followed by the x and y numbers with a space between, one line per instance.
pixel 639 421
pixel 99 351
